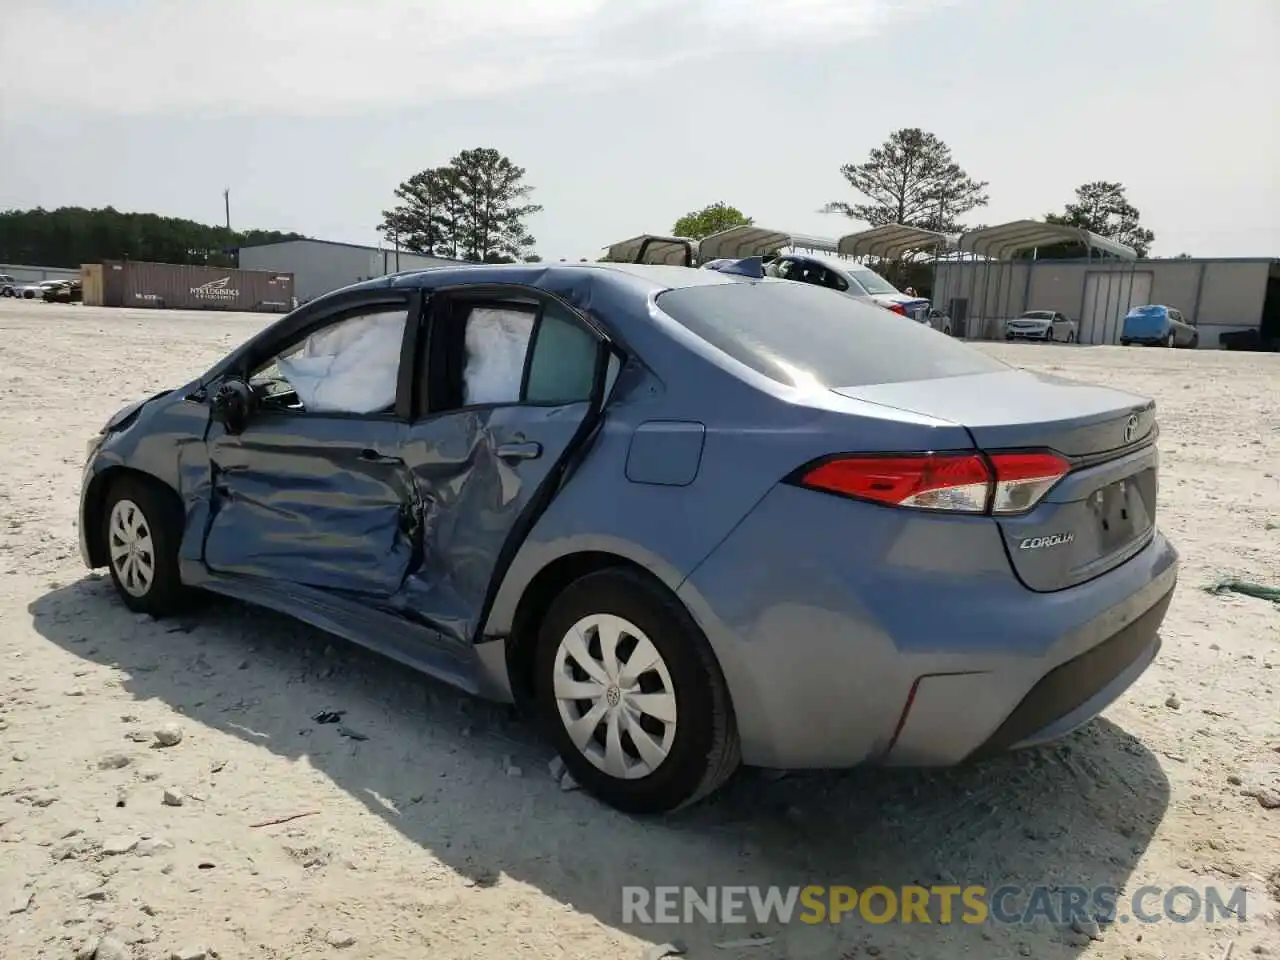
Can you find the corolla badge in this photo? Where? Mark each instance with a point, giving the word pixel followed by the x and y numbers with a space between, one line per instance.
pixel 1053 540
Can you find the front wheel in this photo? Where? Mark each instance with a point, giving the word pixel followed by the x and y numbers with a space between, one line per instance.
pixel 142 528
pixel 1171 340
pixel 633 696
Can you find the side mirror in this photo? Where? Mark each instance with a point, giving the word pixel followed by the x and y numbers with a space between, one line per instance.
pixel 233 404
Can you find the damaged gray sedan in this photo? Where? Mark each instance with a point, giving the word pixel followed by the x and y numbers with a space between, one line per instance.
pixel 688 518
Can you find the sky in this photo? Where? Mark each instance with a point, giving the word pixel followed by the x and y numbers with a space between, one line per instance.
pixel 627 115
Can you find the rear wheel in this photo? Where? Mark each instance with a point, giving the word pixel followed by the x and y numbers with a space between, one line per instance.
pixel 633 696
pixel 142 529
pixel 1071 336
pixel 1171 341
pixel 946 331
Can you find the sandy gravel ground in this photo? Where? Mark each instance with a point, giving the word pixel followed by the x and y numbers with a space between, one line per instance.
pixel 441 834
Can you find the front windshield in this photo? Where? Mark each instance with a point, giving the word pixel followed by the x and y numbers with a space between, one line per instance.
pixel 1037 315
pixel 872 281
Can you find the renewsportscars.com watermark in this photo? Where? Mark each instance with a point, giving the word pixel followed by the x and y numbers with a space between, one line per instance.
pixel 973 904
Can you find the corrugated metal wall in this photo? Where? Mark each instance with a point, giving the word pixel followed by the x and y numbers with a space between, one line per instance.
pixel 28 273
pixel 1219 295
pixel 320 267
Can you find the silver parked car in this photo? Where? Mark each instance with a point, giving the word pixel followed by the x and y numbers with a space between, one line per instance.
pixel 1047 325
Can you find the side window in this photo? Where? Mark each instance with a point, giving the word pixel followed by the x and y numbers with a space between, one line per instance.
pixel 350 366
pixel 562 368
pixel 514 354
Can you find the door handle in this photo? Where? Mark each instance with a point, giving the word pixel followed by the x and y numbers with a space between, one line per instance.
pixel 373 456
pixel 530 450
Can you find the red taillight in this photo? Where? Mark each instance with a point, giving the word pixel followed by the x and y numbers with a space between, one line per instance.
pixel 931 481
pixel 898 308
pixel 956 483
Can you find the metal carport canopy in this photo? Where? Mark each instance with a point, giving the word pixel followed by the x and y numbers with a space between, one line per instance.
pixel 890 241
pixel 752 241
pixel 662 250
pixel 1003 240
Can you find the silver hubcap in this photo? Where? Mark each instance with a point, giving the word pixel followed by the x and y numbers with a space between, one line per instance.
pixel 132 554
pixel 615 696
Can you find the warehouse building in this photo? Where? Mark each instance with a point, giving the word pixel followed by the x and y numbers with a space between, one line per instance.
pixel 319 266
pixel 985 282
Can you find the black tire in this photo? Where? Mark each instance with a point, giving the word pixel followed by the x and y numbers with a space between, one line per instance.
pixel 162 517
pixel 1195 341
pixel 1071 336
pixel 946 331
pixel 704 751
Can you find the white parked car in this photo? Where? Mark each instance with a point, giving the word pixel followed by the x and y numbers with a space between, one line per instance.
pixel 860 281
pixel 35 291
pixel 1041 325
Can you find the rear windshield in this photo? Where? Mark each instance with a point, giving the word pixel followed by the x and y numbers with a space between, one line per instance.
pixel 796 333
pixel 871 281
pixel 1148 311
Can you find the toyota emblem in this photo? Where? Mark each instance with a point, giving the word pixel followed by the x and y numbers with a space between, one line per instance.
pixel 1131 428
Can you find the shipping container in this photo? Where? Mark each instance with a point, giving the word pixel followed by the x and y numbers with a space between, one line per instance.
pixel 176 286
pixel 91 284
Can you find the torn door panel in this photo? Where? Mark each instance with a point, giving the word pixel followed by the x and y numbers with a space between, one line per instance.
pixel 474 501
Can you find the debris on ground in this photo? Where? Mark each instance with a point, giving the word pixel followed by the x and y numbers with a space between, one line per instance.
pixel 329 716
pixel 1245 588
pixel 673 949
pixel 170 735
pixel 286 819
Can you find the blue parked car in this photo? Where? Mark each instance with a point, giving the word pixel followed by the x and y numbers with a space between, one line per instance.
pixel 688 518
pixel 1156 325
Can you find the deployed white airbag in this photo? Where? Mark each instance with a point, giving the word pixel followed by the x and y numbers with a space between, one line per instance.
pixel 496 344
pixel 350 367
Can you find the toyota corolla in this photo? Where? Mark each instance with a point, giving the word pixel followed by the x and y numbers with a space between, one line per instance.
pixel 690 519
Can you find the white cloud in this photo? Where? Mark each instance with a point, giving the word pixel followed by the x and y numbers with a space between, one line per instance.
pixel 318 56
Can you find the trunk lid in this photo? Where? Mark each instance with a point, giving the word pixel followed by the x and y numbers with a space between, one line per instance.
pixel 1096 517
pixel 913 307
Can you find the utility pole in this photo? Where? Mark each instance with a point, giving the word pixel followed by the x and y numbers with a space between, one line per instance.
pixel 226 202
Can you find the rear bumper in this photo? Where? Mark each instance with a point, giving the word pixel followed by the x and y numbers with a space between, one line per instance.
pixel 832 662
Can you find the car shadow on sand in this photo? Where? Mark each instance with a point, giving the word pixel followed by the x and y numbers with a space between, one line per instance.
pixel 436 765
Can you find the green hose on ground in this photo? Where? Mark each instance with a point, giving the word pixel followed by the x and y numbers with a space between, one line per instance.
pixel 1258 590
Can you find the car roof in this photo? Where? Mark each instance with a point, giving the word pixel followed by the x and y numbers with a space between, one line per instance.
pixel 644 278
pixel 835 263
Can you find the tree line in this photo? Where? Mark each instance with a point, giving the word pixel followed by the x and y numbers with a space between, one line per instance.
pixel 913 179
pixel 70 236
pixel 476 207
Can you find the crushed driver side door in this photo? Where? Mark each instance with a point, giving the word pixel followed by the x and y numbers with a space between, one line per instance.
pixel 512 393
